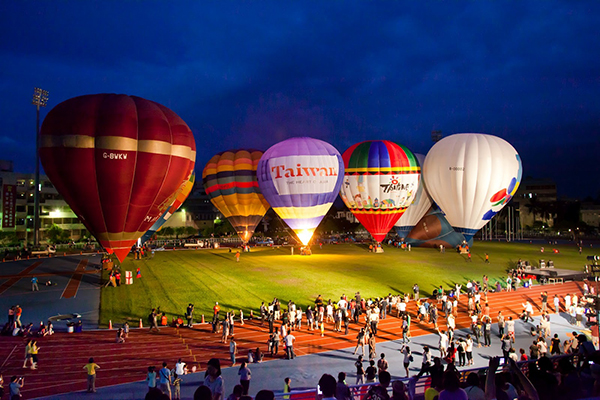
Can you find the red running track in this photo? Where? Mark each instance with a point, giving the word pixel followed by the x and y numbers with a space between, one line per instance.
pixel 62 356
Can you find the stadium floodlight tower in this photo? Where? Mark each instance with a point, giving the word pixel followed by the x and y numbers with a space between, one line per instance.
pixel 40 99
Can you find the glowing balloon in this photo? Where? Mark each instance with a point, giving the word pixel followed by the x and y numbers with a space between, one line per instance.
pixel 471 176
pixel 230 182
pixel 418 208
pixel 380 182
pixel 300 178
pixel 118 161
pixel 184 191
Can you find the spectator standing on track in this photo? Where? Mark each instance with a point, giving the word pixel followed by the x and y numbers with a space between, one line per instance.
pixel 34 284
pixel 213 379
pixel 164 376
pixel 544 297
pixel 18 313
pixel 289 346
pixel 232 350
pixel 91 368
pixel 556 304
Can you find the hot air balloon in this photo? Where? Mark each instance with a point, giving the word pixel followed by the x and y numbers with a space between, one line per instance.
pixel 184 191
pixel 118 161
pixel 471 176
pixel 418 208
pixel 230 182
pixel 380 182
pixel 301 177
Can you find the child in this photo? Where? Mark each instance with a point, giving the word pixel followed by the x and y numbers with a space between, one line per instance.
pixel 177 388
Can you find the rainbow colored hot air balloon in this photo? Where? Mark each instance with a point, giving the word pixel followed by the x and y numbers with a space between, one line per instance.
pixel 182 194
pixel 230 182
pixel 118 161
pixel 380 182
pixel 300 178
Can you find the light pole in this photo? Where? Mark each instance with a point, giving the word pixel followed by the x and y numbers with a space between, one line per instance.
pixel 40 99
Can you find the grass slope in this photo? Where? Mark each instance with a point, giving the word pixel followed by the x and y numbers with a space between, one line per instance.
pixel 172 279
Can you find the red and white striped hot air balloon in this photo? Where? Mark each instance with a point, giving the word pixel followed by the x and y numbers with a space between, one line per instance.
pixel 118 161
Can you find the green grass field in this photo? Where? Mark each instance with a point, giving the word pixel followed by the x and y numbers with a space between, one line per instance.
pixel 172 279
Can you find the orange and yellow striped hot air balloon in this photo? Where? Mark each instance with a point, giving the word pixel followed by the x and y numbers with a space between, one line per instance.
pixel 230 181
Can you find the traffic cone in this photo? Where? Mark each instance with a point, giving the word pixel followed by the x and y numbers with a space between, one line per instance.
pixel 109 324
pixel 141 326
pixel 81 253
pixel 65 254
pixel 202 319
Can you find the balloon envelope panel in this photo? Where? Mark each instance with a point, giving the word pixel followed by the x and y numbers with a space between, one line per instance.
pixel 230 181
pixel 381 180
pixel 117 160
pixel 418 208
pixel 300 178
pixel 432 230
pixel 471 176
pixel 182 194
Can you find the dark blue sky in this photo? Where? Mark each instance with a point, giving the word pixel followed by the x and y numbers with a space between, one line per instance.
pixel 250 73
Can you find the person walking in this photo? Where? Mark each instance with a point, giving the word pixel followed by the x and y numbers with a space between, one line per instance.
pixel 152 319
pixel 361 341
pixel 91 368
pixel 190 315
pixel 34 354
pixel 28 354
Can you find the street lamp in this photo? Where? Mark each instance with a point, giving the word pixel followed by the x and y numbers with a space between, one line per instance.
pixel 40 99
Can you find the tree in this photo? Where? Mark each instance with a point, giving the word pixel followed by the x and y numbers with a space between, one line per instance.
pixel 166 231
pixel 57 235
pixel 190 230
pixel 180 230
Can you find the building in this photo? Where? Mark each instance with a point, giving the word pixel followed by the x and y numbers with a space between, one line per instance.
pixel 590 214
pixel 18 206
pixel 534 201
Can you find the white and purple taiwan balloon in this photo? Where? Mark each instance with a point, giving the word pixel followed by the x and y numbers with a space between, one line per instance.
pixel 301 178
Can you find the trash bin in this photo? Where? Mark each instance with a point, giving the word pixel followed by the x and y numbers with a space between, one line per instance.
pixel 70 327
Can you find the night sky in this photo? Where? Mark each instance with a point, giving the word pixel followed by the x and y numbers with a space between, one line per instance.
pixel 249 73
